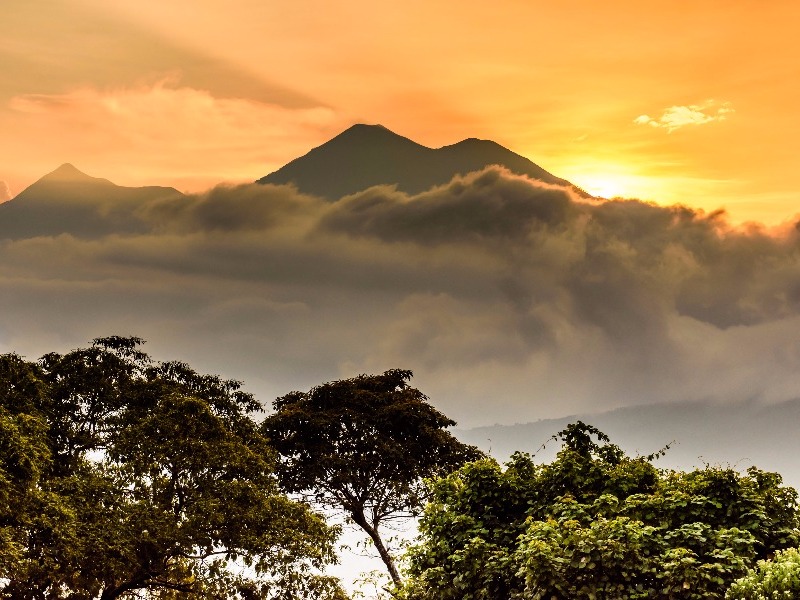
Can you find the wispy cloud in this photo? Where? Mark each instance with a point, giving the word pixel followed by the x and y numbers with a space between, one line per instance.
pixel 492 289
pixel 676 117
pixel 167 130
pixel 5 193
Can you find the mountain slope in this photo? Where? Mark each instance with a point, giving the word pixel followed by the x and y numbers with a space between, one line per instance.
pixel 368 155
pixel 736 434
pixel 69 201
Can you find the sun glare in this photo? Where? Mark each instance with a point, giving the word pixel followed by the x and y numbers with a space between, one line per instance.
pixel 614 181
pixel 605 187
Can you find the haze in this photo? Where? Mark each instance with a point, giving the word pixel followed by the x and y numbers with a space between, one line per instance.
pixel 513 298
pixel 691 102
pixel 510 298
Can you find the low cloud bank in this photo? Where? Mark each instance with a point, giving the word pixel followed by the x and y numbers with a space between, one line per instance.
pixel 511 300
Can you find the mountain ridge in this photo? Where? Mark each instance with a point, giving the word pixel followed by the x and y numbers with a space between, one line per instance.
pixel 363 156
pixel 69 172
pixel 68 200
pixel 738 434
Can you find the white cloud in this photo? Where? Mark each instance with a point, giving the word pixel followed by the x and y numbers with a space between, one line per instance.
pixel 5 193
pixel 676 117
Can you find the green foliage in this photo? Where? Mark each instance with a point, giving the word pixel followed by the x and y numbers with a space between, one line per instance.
pixel 364 445
pixel 776 579
pixel 121 475
pixel 595 524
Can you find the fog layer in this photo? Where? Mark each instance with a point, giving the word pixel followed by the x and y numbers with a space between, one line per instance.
pixel 511 300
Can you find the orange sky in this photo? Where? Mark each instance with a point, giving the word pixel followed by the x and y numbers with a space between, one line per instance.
pixel 692 102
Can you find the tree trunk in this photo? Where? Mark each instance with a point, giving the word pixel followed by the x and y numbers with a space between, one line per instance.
pixel 360 520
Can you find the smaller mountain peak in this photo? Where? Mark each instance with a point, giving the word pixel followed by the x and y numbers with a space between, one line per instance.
pixel 69 173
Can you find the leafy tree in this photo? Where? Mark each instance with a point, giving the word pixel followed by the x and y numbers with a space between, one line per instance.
pixel 365 446
pixel 595 524
pixel 24 456
pixel 774 579
pixel 120 475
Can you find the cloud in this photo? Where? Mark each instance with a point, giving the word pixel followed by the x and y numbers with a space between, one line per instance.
pixel 676 117
pixel 231 208
pixel 493 205
pixel 5 193
pixel 509 299
pixel 210 138
pixel 51 55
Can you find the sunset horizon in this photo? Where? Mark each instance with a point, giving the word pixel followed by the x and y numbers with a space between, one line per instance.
pixel 522 277
pixel 675 103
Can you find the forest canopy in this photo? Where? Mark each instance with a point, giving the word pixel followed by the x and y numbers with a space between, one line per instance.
pixel 120 474
pixel 125 477
pixel 596 524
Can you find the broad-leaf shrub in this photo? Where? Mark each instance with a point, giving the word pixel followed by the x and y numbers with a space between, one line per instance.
pixel 776 579
pixel 595 524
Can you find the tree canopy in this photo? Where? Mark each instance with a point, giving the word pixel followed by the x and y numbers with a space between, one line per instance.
pixel 775 579
pixel 595 524
pixel 364 445
pixel 119 474
pixel 125 477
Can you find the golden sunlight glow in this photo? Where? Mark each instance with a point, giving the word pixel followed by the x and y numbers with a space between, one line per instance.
pixel 605 187
pixel 244 86
pixel 613 181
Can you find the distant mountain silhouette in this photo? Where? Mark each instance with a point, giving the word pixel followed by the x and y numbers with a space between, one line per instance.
pixel 69 201
pixel 736 434
pixel 368 155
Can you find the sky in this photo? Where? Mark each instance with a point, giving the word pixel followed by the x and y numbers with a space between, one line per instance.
pixel 550 309
pixel 510 300
pixel 674 102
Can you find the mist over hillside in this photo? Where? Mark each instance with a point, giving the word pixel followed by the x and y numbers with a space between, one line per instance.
pixel 739 435
pixel 510 298
pixel 68 201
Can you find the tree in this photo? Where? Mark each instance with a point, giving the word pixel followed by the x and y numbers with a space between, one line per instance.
pixel 141 476
pixel 24 456
pixel 770 579
pixel 595 524
pixel 364 445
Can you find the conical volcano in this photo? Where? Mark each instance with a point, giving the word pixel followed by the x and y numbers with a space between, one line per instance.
pixel 368 155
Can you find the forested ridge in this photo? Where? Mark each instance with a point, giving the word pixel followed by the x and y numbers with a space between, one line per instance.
pixel 125 477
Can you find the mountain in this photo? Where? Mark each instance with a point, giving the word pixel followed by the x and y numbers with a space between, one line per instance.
pixel 69 201
pixel 736 434
pixel 368 155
